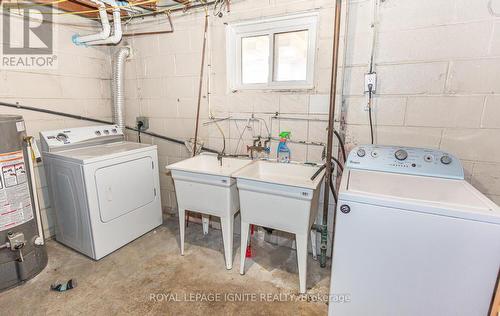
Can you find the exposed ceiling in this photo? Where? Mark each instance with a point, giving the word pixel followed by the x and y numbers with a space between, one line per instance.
pixel 82 7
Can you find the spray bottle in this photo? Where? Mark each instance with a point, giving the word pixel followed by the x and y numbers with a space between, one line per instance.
pixel 284 154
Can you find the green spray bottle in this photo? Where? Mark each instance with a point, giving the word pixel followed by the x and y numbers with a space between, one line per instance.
pixel 284 154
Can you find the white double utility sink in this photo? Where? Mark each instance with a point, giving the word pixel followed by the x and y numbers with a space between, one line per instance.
pixel 269 194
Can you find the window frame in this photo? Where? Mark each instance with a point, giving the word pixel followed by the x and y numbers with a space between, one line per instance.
pixel 235 32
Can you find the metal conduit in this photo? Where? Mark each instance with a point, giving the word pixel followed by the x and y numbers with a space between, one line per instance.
pixel 84 118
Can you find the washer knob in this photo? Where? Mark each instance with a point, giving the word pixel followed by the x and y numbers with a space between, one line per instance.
pixel 446 159
pixel 62 137
pixel 401 154
pixel 361 152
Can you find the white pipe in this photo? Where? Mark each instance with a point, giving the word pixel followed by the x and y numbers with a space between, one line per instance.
pixel 117 23
pixel 39 240
pixel 118 83
pixel 106 29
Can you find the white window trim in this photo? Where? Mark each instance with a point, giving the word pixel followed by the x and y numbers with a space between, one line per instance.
pixel 271 26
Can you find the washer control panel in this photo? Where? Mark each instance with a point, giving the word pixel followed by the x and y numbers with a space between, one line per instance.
pixel 406 160
pixel 72 136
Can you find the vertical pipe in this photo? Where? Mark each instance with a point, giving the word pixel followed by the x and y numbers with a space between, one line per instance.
pixel 117 26
pixel 200 87
pixel 40 240
pixel 331 121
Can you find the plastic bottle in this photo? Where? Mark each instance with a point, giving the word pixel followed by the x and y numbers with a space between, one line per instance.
pixel 284 154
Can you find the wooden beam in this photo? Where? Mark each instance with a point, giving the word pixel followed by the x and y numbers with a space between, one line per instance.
pixel 86 5
pixel 73 6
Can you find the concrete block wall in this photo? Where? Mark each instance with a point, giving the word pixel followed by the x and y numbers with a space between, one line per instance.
pixel 164 74
pixel 79 84
pixel 436 62
pixel 437 65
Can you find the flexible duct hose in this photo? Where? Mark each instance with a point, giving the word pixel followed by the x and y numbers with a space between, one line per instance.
pixel 118 82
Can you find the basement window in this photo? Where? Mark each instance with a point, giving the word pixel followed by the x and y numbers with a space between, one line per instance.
pixel 276 53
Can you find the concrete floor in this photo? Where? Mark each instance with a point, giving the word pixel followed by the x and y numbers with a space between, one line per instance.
pixel 149 276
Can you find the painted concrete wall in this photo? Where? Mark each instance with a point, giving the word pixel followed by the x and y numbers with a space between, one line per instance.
pixel 79 84
pixel 436 61
pixel 163 79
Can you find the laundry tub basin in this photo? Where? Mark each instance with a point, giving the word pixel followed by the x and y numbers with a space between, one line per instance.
pixel 280 196
pixel 205 186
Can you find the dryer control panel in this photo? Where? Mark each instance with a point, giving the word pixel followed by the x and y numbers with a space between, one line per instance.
pixel 406 160
pixel 73 137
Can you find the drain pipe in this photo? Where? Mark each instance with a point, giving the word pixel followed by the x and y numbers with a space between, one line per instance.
pixel 117 26
pixel 331 121
pixel 33 155
pixel 106 28
pixel 118 82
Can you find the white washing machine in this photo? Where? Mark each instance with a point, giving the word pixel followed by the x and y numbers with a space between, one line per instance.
pixel 412 237
pixel 105 191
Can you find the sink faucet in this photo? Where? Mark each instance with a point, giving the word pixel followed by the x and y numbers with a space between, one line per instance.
pixel 219 158
pixel 258 148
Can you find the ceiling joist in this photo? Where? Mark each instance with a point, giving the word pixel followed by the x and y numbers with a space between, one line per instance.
pixel 87 5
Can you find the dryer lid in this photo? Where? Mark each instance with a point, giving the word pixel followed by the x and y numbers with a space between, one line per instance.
pixel 97 153
pixel 449 197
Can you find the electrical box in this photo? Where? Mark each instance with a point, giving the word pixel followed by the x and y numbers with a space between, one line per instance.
pixel 142 123
pixel 371 79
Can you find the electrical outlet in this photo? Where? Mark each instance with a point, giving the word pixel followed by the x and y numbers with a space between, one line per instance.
pixel 131 54
pixel 371 79
pixel 145 123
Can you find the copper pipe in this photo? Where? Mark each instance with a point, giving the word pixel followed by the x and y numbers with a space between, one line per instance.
pixel 200 87
pixel 199 94
pixel 331 121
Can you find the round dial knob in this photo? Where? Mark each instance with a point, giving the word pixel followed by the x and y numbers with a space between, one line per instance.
pixel 446 159
pixel 361 152
pixel 62 137
pixel 401 154
pixel 428 158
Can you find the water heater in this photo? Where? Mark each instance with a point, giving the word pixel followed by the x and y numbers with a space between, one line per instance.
pixel 22 251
